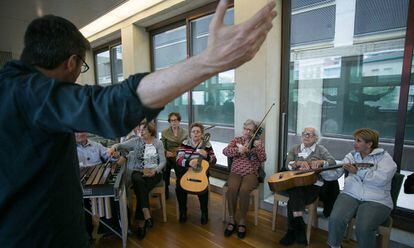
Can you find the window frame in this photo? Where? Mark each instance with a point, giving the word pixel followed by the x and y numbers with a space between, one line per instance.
pixel 403 218
pixel 219 171
pixel 105 47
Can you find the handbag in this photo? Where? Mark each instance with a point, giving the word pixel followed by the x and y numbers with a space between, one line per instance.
pixel 409 184
pixel 262 174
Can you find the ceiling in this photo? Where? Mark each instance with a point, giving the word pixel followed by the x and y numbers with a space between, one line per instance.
pixel 15 15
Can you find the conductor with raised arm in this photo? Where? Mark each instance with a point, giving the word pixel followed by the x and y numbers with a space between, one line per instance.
pixel 41 107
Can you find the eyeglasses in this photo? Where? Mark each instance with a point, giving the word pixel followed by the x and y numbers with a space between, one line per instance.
pixel 247 129
pixel 173 120
pixel 308 135
pixel 84 66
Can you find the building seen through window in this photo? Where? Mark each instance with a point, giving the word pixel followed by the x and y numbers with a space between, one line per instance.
pixel 346 74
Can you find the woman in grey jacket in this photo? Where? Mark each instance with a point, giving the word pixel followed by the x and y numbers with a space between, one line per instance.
pixel 366 194
pixel 146 159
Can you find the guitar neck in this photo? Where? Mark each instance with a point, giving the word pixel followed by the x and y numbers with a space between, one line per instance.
pixel 358 165
pixel 327 168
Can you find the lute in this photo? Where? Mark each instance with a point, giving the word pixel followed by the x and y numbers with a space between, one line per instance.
pixel 291 179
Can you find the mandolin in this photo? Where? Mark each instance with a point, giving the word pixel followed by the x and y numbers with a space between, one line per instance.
pixel 291 179
pixel 195 180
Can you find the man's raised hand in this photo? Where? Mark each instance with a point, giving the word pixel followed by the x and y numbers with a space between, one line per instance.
pixel 231 46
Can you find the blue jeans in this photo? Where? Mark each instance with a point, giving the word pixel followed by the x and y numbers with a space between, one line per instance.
pixel 369 216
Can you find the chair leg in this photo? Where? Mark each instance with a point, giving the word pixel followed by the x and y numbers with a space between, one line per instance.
pixel 350 229
pixel 385 239
pixel 256 208
pixel 177 211
pixel 315 217
pixel 224 203
pixel 275 209
pixel 311 219
pixel 163 205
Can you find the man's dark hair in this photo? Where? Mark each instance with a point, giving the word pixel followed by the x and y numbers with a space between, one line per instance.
pixel 50 40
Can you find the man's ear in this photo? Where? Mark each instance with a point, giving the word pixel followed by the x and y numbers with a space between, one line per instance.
pixel 72 63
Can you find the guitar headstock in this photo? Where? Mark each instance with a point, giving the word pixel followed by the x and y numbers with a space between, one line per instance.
pixel 206 138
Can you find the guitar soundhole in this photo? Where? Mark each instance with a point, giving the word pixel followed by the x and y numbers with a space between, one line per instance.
pixel 194 180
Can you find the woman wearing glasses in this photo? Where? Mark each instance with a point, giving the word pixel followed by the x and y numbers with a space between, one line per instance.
pixel 187 157
pixel 304 156
pixel 146 161
pixel 172 137
pixel 243 178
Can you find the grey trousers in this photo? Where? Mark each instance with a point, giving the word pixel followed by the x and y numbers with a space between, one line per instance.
pixel 369 216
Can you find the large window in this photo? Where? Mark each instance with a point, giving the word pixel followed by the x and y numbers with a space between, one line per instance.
pixel 212 102
pixel 170 47
pixel 303 21
pixel 215 95
pixel 354 80
pixel 108 64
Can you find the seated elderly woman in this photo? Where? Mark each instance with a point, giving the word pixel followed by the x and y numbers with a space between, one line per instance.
pixel 187 156
pixel 304 156
pixel 366 193
pixel 243 178
pixel 146 161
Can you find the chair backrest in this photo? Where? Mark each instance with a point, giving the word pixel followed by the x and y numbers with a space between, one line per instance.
pixel 396 184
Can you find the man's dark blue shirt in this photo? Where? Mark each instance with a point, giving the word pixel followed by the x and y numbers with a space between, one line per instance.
pixel 40 194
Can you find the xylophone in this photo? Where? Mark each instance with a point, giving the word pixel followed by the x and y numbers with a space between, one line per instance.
pixel 99 183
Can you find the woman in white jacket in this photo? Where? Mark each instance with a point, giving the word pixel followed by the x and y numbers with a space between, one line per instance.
pixel 366 194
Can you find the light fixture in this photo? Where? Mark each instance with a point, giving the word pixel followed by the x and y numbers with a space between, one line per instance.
pixel 119 14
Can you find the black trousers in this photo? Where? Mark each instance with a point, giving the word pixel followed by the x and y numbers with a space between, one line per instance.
pixel 182 194
pixel 142 186
pixel 299 197
pixel 328 194
pixel 167 172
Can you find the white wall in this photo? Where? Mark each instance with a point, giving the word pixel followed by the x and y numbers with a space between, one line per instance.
pixel 258 83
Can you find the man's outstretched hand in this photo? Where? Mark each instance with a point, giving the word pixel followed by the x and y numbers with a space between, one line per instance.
pixel 231 46
pixel 228 47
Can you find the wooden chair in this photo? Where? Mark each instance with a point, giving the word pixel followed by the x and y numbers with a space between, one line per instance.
pixel 255 195
pixel 158 191
pixel 384 230
pixel 312 213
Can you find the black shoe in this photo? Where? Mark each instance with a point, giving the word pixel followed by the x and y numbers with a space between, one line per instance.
pixel 241 234
pixel 300 231
pixel 183 217
pixel 149 223
pixel 289 238
pixel 141 232
pixel 204 218
pixel 227 232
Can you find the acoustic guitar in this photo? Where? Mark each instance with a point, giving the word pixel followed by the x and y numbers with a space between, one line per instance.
pixel 291 179
pixel 195 180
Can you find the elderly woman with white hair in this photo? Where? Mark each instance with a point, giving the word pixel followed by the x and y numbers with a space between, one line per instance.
pixel 244 174
pixel 306 155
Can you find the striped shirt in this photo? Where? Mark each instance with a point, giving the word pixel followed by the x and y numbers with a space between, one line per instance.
pixel 187 152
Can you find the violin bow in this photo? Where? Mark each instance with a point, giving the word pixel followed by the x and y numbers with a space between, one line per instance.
pixel 260 124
